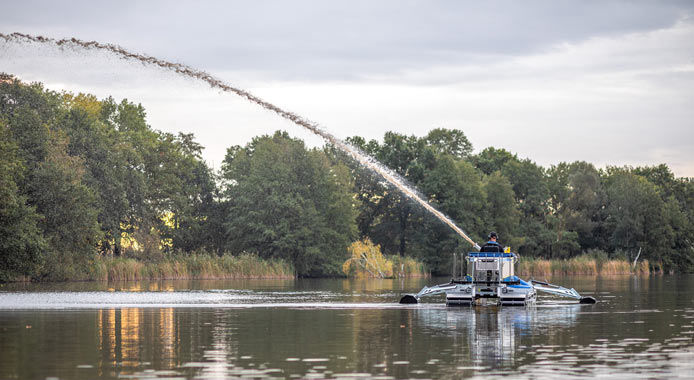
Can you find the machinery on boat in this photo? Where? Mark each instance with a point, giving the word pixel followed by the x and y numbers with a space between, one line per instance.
pixel 490 275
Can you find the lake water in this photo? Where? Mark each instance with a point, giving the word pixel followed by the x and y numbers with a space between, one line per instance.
pixel 642 327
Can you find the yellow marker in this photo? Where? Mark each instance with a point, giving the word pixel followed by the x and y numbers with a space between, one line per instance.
pixel 507 250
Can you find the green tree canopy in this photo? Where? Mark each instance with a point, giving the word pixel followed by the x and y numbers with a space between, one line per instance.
pixel 289 202
pixel 502 215
pixel 21 241
pixel 81 176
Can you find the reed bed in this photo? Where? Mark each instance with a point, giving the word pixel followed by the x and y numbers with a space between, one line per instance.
pixel 407 267
pixel 189 267
pixel 581 265
pixel 387 267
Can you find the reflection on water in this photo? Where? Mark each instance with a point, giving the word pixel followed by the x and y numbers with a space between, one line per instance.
pixel 121 331
pixel 642 328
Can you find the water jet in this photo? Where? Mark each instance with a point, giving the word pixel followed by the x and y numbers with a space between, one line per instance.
pixel 362 158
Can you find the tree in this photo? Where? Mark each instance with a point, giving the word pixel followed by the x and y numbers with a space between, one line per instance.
pixel 434 167
pixel 78 173
pixel 106 164
pixel 636 216
pixel 66 205
pixel 452 142
pixel 21 242
pixel 453 187
pixel 169 189
pixel 663 178
pixel 502 215
pixel 386 216
pixel 52 179
pixel 491 160
pixel 192 197
pixel 532 196
pixel 578 200
pixel 288 202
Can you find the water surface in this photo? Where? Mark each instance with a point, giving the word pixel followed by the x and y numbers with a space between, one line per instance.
pixel 643 327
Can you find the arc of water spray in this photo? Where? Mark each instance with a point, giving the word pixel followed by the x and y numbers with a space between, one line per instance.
pixel 361 157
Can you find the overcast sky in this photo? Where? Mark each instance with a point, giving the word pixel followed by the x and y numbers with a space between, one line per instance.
pixel 609 82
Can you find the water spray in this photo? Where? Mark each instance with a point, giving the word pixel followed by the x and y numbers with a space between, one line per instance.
pixel 356 154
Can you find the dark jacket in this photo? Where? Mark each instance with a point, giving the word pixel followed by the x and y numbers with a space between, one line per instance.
pixel 492 246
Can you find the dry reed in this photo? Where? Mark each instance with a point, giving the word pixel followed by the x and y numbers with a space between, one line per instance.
pixel 581 265
pixel 189 267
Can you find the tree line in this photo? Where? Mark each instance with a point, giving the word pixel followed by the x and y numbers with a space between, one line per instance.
pixel 82 177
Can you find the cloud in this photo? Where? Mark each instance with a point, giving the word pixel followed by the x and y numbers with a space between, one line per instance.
pixel 610 100
pixel 610 83
pixel 318 40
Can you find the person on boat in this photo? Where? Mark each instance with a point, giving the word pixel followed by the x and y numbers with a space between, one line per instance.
pixel 492 245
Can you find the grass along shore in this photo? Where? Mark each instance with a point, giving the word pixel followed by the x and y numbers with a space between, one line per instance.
pixel 179 267
pixel 581 265
pixel 367 262
pixel 192 267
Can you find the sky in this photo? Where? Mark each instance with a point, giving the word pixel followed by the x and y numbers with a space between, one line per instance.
pixel 608 82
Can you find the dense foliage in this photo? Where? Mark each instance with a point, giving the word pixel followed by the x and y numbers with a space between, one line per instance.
pixel 557 213
pixel 285 201
pixel 82 177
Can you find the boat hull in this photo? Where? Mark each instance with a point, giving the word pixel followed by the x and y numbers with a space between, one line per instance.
pixel 516 294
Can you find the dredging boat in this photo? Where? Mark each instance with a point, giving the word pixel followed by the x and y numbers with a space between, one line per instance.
pixel 490 275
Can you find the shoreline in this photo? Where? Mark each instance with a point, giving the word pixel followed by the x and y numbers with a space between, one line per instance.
pixel 248 266
pixel 189 267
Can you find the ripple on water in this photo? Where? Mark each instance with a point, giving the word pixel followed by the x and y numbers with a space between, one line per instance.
pixel 351 375
pixel 553 341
